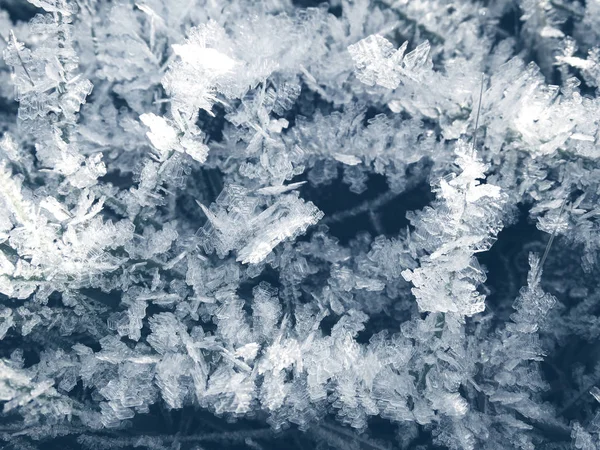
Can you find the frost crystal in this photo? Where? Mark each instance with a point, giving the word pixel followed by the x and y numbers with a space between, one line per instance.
pixel 377 62
pixel 238 222
pixel 166 138
pixel 201 71
pixel 449 274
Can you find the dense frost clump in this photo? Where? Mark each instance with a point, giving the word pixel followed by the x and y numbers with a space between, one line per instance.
pixel 266 224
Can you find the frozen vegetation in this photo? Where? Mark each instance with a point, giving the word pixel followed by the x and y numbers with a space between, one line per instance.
pixel 275 224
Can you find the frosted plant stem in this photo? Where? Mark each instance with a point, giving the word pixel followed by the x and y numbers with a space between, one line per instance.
pixel 366 206
pixel 550 241
pixel 579 396
pixel 478 111
pixel 344 432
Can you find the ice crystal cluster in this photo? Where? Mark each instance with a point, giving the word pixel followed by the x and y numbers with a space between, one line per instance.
pixel 280 224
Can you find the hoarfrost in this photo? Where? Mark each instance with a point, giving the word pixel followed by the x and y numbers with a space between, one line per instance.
pixel 262 211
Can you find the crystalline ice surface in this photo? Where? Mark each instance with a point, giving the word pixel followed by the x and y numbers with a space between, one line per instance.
pixel 349 225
